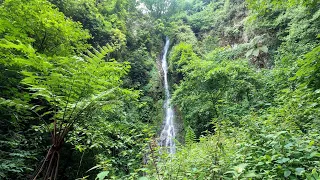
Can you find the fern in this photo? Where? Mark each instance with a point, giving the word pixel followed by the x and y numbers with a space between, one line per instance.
pixel 190 136
pixel 75 89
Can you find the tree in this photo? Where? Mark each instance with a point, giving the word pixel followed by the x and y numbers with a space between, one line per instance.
pixel 48 31
pixel 161 8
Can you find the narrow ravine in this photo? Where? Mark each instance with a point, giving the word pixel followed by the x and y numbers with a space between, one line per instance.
pixel 168 132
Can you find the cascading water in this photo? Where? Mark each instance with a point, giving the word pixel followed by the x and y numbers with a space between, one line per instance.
pixel 168 132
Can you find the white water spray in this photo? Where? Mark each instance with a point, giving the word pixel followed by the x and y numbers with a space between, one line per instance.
pixel 168 132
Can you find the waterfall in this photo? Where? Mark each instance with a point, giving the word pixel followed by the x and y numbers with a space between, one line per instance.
pixel 168 132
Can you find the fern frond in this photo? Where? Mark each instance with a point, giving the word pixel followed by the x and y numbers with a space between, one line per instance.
pixel 190 136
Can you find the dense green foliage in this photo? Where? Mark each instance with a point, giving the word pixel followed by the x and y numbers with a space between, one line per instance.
pixel 245 80
pixel 64 94
pixel 81 91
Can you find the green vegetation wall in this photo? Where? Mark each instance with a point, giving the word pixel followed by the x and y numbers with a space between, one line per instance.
pixel 245 80
pixel 79 88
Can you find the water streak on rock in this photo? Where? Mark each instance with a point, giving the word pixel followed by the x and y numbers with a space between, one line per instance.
pixel 168 132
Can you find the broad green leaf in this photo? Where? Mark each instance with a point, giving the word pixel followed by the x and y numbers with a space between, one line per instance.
pixel 256 52
pixel 249 53
pixel 251 174
pixel 102 175
pixel 143 178
pixel 264 49
pixel 299 171
pixel 287 173
pixel 240 168
pixel 283 160
pixel 314 154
